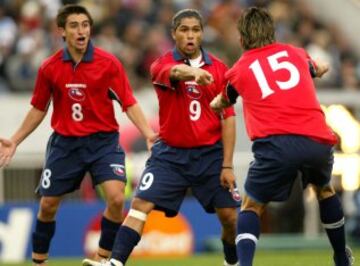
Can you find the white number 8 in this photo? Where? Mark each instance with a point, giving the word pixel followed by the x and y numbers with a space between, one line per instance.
pixel 146 181
pixel 45 180
pixel 77 114
pixel 195 110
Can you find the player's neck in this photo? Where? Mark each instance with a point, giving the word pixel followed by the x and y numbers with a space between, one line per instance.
pixel 76 54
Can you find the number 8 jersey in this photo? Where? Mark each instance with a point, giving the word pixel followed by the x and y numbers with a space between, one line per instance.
pixel 278 93
pixel 186 119
pixel 82 93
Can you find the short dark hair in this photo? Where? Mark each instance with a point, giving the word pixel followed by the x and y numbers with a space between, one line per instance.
pixel 68 10
pixel 256 28
pixel 186 13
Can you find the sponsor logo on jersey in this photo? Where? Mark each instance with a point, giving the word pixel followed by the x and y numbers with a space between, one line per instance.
pixel 77 94
pixel 192 90
pixel 118 169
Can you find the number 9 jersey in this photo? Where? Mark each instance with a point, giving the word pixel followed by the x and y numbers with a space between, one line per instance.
pixel 82 93
pixel 278 93
pixel 186 119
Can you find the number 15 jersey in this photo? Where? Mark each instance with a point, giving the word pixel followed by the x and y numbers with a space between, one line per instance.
pixel 186 119
pixel 278 93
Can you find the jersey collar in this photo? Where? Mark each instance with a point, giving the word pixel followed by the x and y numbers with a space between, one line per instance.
pixel 88 56
pixel 178 57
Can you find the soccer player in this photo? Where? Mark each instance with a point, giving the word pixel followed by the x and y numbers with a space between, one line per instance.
pixel 196 145
pixel 288 129
pixel 81 80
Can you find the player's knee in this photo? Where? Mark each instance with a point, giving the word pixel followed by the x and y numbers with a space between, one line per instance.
pixel 116 202
pixel 142 205
pixel 324 192
pixel 228 218
pixel 48 208
pixel 250 205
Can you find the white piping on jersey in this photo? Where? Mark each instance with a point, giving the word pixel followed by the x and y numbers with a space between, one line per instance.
pixel 240 237
pixel 116 96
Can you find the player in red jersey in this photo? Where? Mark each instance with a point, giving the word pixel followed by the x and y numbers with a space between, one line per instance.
pixel 288 129
pixel 81 80
pixel 196 146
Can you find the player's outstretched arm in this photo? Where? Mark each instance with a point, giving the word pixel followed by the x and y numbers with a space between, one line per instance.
pixel 185 72
pixel 219 103
pixel 137 117
pixel 8 146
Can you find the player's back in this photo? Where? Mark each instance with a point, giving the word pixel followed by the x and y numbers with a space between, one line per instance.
pixel 278 93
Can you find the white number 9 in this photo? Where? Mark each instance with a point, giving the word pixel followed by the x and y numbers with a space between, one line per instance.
pixel 146 181
pixel 195 110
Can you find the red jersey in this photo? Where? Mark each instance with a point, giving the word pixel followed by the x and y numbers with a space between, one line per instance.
pixel 82 93
pixel 278 93
pixel 186 119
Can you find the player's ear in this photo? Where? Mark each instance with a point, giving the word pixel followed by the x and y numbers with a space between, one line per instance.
pixel 61 31
pixel 241 41
pixel 173 34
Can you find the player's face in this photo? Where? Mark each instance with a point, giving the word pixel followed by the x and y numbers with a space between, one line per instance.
pixel 77 33
pixel 188 37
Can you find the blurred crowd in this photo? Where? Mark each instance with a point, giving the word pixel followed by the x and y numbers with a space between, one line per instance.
pixel 138 31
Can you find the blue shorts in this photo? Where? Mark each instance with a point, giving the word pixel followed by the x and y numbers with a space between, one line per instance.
pixel 171 171
pixel 69 158
pixel 279 159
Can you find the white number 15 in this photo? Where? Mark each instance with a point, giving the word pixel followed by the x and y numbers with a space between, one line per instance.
pixel 275 65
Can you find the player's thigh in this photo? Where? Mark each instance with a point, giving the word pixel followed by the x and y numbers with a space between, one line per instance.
pixel 318 168
pixel 109 163
pixel 272 173
pixel 63 169
pixel 163 185
pixel 212 195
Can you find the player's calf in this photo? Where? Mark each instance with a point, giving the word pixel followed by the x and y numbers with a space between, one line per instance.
pixel 41 238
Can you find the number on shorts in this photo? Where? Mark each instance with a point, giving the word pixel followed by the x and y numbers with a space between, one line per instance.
pixel 77 114
pixel 45 179
pixel 146 181
pixel 195 110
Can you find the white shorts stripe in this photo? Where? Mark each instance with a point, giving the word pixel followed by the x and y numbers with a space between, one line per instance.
pixel 335 225
pixel 138 215
pixel 240 237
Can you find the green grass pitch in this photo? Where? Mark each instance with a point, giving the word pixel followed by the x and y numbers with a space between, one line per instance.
pixel 262 258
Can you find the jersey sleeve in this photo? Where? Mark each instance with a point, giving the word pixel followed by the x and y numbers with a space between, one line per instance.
pixel 311 62
pixel 120 88
pixel 160 74
pixel 229 111
pixel 230 93
pixel 42 92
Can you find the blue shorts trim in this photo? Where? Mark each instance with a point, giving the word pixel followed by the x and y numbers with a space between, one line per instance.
pixel 278 160
pixel 68 159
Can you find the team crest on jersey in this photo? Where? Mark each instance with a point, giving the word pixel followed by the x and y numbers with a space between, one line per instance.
pixel 236 195
pixel 76 91
pixel 192 90
pixel 118 169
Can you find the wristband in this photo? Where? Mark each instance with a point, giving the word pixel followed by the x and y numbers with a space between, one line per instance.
pixel 226 167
